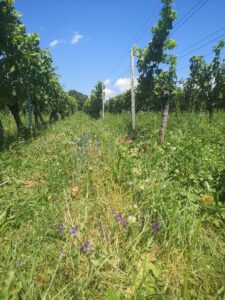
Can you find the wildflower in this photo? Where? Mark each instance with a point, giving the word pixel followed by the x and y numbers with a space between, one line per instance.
pixel 60 228
pixel 156 226
pixel 132 219
pixel 73 230
pixel 121 220
pixel 206 198
pixel 91 251
pixel 85 246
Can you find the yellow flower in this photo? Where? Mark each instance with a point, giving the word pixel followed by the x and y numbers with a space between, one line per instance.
pixel 207 198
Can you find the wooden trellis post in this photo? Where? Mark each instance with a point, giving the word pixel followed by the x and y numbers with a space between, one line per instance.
pixel 132 88
pixel 103 101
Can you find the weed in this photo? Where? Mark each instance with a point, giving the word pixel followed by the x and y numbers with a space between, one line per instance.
pixel 147 222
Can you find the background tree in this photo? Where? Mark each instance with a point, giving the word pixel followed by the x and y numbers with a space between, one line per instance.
pixel 152 58
pixel 28 81
pixel 198 87
pixel 93 105
pixel 218 71
pixel 12 39
pixel 165 86
pixel 81 98
pixel 203 90
pixel 119 103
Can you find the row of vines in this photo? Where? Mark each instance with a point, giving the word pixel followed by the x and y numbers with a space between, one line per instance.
pixel 28 81
pixel 158 83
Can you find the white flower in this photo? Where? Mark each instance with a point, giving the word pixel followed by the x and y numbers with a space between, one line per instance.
pixel 142 187
pixel 132 219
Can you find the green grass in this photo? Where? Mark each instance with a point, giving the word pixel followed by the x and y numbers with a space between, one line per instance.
pixel 144 182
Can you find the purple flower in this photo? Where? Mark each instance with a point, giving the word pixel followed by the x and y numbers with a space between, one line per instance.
pixel 73 230
pixel 121 220
pixel 156 226
pixel 60 228
pixel 85 246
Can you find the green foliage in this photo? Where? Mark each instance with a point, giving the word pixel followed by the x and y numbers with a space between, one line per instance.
pixel 27 76
pixel 93 105
pixel 119 103
pixel 112 295
pixel 81 98
pixel 219 183
pixel 9 291
pixel 151 59
pixel 1 135
pixel 204 88
pixel 176 184
pixel 5 220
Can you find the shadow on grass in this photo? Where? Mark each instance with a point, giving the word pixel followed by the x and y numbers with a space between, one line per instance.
pixel 24 136
pixel 133 134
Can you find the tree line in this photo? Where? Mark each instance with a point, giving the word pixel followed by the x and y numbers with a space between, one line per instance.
pixel 158 85
pixel 203 90
pixel 28 80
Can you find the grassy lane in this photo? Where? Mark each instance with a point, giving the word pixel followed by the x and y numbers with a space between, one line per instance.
pixel 88 213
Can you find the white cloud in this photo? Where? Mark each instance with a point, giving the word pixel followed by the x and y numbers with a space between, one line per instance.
pixel 76 38
pixel 56 42
pixel 107 82
pixel 108 93
pixel 123 84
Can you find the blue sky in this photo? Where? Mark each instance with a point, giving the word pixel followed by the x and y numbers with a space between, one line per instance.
pixel 90 39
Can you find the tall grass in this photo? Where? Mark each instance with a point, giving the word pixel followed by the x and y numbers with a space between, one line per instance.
pixel 147 214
